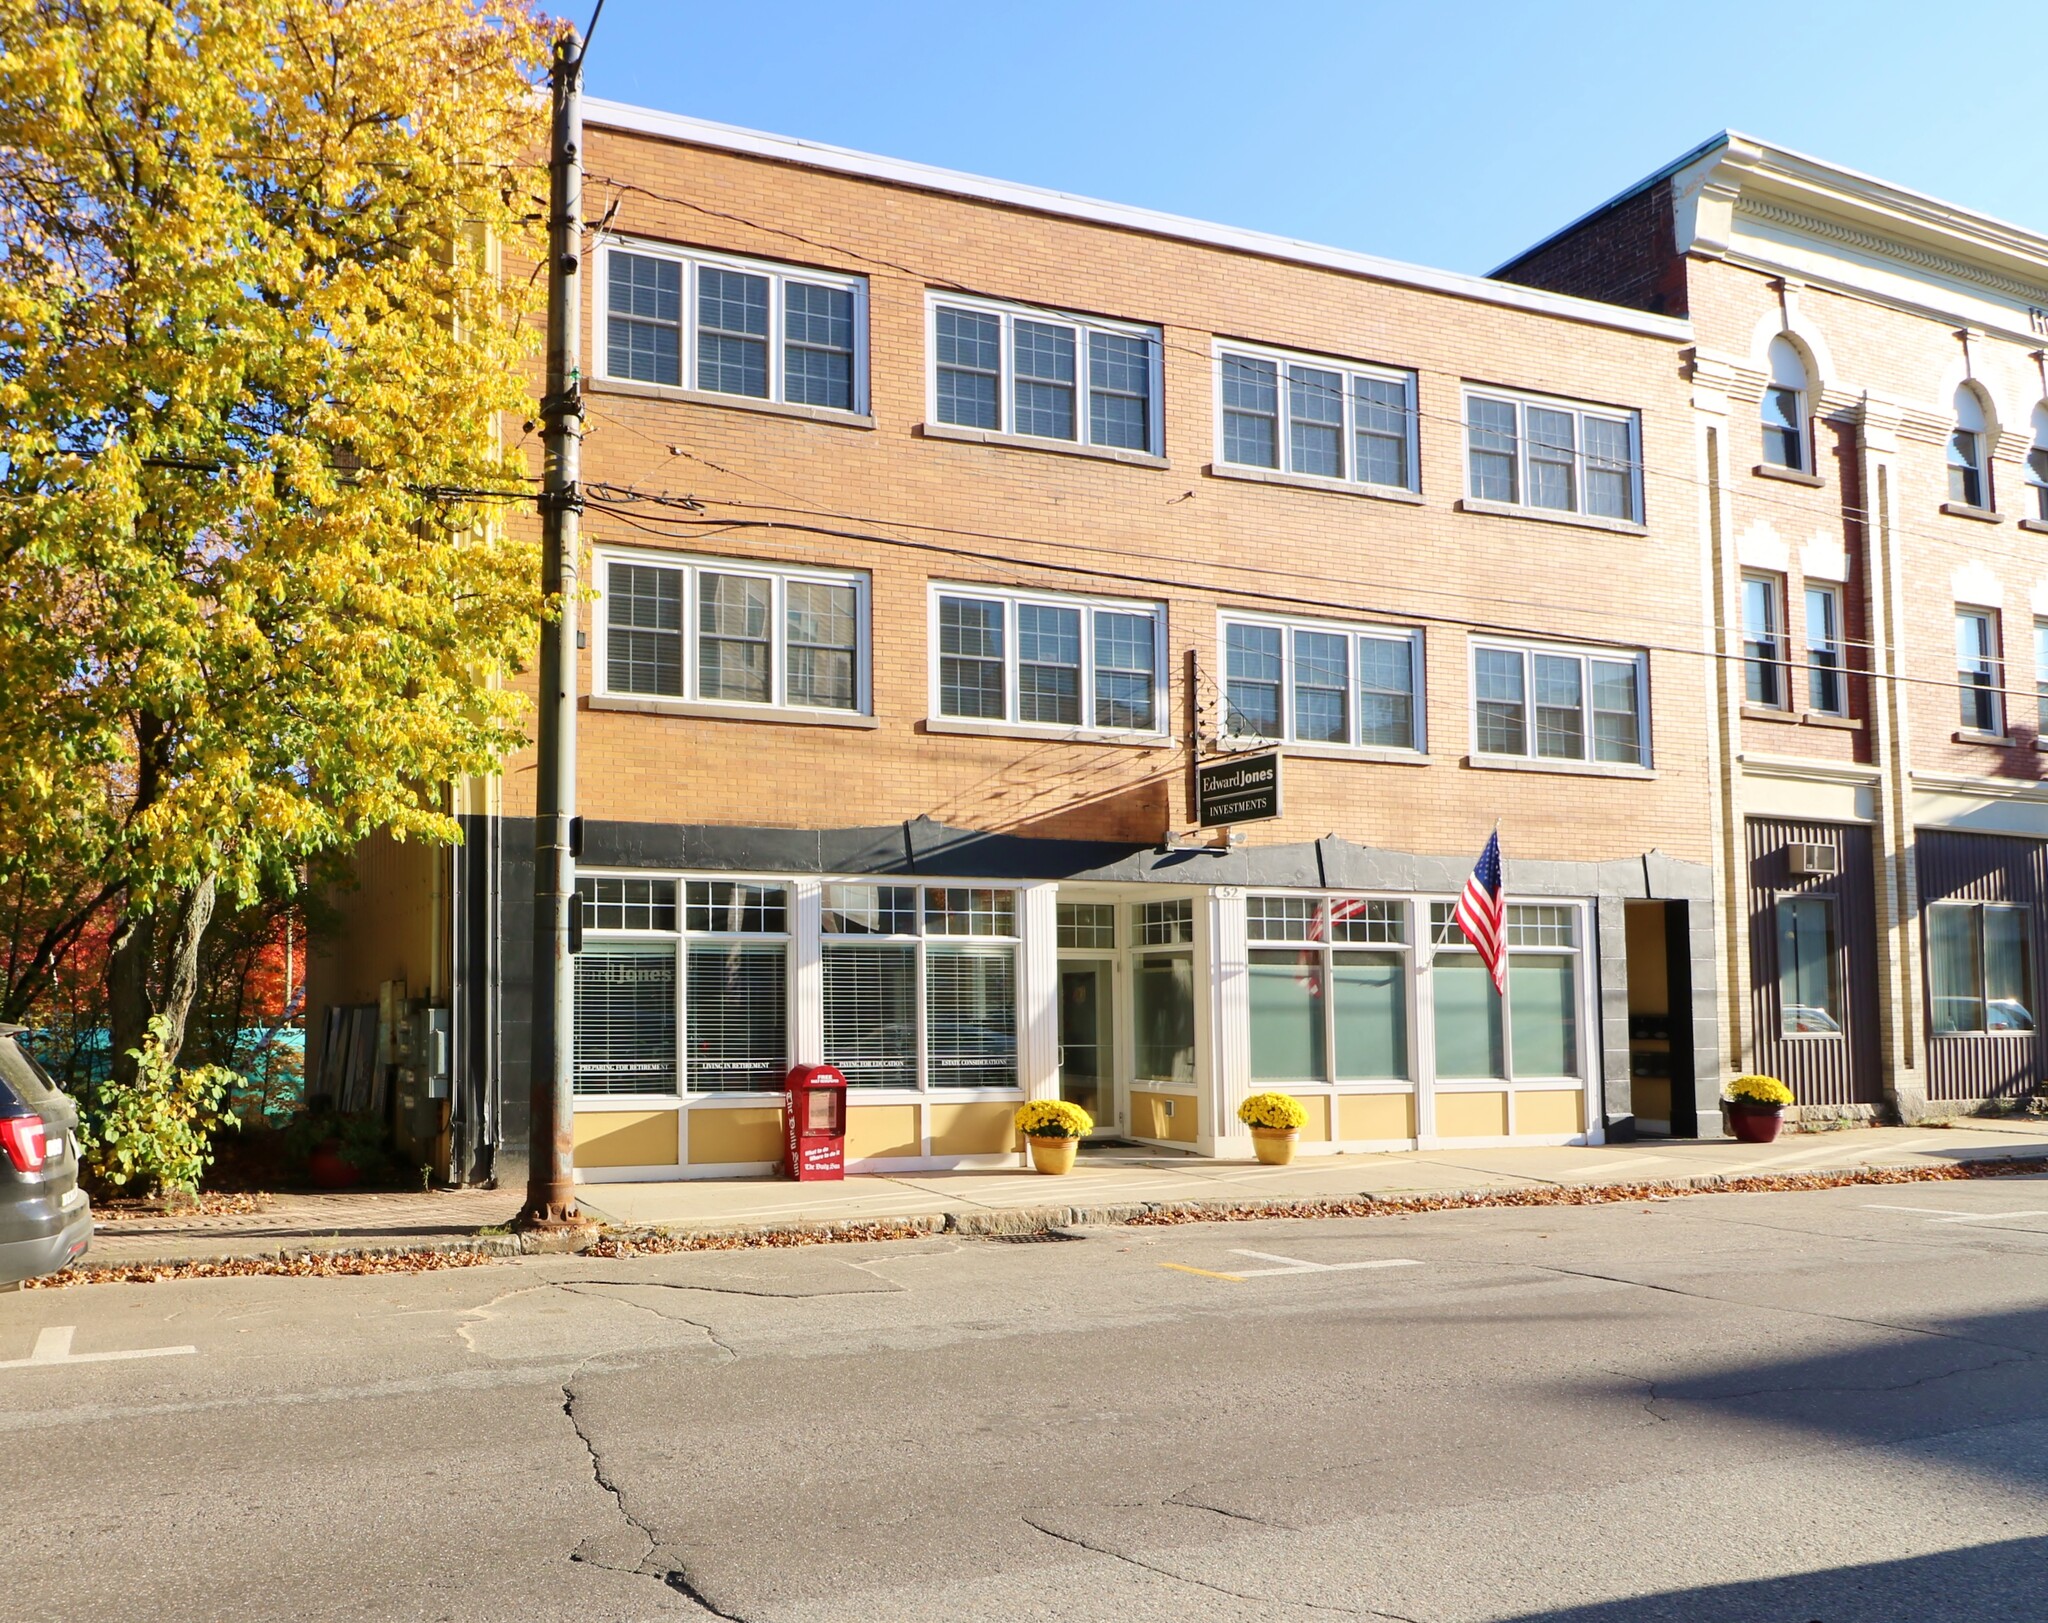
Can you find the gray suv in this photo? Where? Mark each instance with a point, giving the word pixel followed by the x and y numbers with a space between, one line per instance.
pixel 45 1218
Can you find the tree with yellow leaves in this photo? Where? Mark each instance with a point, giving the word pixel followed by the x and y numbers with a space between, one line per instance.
pixel 255 362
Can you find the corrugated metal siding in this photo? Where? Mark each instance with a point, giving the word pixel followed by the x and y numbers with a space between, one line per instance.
pixel 1819 1070
pixel 1985 868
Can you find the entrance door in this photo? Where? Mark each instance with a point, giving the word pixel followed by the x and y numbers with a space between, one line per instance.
pixel 1087 1053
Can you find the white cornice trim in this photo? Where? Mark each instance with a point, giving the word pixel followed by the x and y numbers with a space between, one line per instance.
pixel 1951 783
pixel 1798 771
pixel 1871 242
pixel 1152 222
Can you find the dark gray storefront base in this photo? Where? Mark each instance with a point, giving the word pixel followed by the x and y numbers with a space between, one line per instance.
pixel 494 954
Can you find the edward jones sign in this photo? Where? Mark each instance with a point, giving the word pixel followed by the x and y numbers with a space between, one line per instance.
pixel 1238 789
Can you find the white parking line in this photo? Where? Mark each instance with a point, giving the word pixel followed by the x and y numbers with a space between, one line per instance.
pixel 1944 1214
pixel 53 1346
pixel 1294 1265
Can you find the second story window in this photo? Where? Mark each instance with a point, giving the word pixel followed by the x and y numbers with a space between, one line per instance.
pixel 1543 702
pixel 721 631
pixel 1045 375
pixel 1552 455
pixel 729 326
pixel 1325 419
pixel 1041 660
pixel 1825 686
pixel 1763 641
pixel 1968 482
pixel 1977 670
pixel 1784 409
pixel 1315 683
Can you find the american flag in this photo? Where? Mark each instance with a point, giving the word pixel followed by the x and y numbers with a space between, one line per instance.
pixel 1482 912
pixel 1327 914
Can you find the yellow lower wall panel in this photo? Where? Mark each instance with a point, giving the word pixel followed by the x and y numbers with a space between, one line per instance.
pixel 1375 1116
pixel 625 1138
pixel 1150 1120
pixel 1316 1130
pixel 879 1132
pixel 1472 1115
pixel 737 1133
pixel 1551 1111
pixel 974 1127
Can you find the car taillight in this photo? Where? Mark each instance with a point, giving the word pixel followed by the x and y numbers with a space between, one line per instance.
pixel 23 1137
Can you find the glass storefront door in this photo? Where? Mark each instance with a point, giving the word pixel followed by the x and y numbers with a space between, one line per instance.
pixel 1087 1048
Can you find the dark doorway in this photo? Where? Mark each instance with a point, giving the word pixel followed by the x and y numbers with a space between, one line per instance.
pixel 1660 1053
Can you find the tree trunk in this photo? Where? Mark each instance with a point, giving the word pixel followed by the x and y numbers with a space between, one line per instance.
pixel 129 1003
pixel 135 990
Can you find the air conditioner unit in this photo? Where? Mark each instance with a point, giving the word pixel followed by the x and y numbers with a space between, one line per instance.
pixel 1814 861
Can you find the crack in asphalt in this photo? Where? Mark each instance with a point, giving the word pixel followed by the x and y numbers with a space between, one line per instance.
pixel 1185 1500
pixel 1218 1589
pixel 571 1286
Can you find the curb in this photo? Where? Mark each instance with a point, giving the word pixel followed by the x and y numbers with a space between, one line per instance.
pixel 1035 1220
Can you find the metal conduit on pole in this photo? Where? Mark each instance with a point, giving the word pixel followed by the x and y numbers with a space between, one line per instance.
pixel 551 1171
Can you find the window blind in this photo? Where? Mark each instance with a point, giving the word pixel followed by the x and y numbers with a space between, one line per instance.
pixel 871 1014
pixel 971 1013
pixel 626 1018
pixel 738 1017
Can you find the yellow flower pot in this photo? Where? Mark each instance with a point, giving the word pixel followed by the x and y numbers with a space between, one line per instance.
pixel 1275 1145
pixel 1053 1156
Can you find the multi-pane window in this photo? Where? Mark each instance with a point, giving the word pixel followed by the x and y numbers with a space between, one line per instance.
pixel 1163 994
pixel 732 632
pixel 1553 455
pixel 1046 661
pixel 2041 678
pixel 1562 704
pixel 1323 418
pixel 1784 409
pixel 1332 1004
pixel 1825 686
pixel 1085 926
pixel 1046 375
pixel 1161 924
pixel 1809 967
pixel 1763 640
pixel 1979 977
pixel 1531 1033
pixel 736 327
pixel 1312 683
pixel 920 985
pixel 1968 481
pixel 1977 672
pixel 734 1025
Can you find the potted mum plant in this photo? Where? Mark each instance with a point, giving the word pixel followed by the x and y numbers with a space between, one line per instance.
pixel 1276 1121
pixel 1756 1107
pixel 1054 1130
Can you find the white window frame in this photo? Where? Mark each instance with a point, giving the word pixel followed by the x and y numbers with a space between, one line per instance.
pixel 1585 653
pixel 1980 911
pixel 1776 665
pixel 1801 435
pixel 1287 626
pixel 923 939
pixel 1584 1001
pixel 1323 945
pixel 780 576
pixel 1580 411
pixel 1351 371
pixel 1011 597
pixel 1006 377
pixel 779 275
pixel 1838 648
pixel 1993 664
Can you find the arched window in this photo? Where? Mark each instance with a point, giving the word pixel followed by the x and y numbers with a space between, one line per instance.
pixel 2037 463
pixel 1784 409
pixel 1967 479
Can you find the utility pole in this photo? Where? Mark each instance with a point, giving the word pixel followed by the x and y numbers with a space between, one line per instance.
pixel 551 1172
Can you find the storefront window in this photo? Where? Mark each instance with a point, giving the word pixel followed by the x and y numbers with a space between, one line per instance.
pixel 626 1017
pixel 1541 1007
pixel 1532 1034
pixel 1978 973
pixel 896 967
pixel 1163 1013
pixel 1320 1012
pixel 1468 1023
pixel 738 1017
pixel 1809 983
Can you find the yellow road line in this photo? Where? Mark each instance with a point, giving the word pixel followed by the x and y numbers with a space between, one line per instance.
pixel 1206 1273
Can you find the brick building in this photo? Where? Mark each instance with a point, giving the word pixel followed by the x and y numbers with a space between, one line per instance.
pixel 939 527
pixel 1871 415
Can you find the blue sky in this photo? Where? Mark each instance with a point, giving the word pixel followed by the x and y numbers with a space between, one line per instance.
pixel 1446 135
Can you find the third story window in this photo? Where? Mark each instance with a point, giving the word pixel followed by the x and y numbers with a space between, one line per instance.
pixel 1547 703
pixel 732 632
pixel 734 327
pixel 1046 375
pixel 1552 454
pixel 1049 661
pixel 1327 419
pixel 1313 683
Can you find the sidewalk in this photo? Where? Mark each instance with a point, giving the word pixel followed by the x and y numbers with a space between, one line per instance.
pixel 1106 1186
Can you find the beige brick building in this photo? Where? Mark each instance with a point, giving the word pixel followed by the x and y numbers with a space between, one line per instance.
pixel 939 528
pixel 1872 421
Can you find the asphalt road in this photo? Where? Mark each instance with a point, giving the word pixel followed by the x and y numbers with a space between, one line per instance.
pixel 1786 1407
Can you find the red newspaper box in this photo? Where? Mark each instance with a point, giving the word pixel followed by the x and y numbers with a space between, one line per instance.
pixel 814 1123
